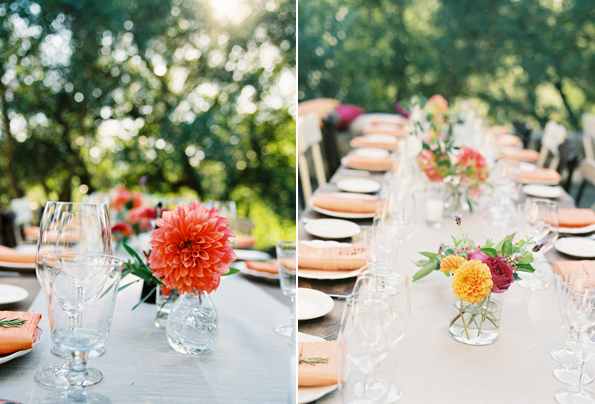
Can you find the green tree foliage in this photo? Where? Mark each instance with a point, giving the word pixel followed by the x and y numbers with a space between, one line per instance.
pixel 97 93
pixel 527 60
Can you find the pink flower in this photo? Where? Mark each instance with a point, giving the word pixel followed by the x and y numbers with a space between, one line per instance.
pixel 427 162
pixel 478 255
pixel 472 166
pixel 142 216
pixel 502 273
pixel 123 198
pixel 438 104
pixel 122 229
pixel 191 248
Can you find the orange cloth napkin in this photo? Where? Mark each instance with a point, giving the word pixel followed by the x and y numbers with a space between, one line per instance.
pixel 18 338
pixel 574 217
pixel 528 155
pixel 508 140
pixel 370 164
pixel 244 241
pixel 331 256
pixel 312 374
pixel 263 266
pixel 375 141
pixel 347 202
pixel 539 176
pixel 14 256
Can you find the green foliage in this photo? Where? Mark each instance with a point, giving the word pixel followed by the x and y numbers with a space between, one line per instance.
pixel 525 60
pixel 98 93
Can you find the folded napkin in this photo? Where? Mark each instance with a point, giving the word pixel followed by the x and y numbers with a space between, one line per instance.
pixel 15 339
pixel 574 217
pixel 508 140
pixel 384 129
pixel 263 266
pixel 244 241
pixel 347 202
pixel 16 257
pixel 331 256
pixel 515 154
pixel 370 164
pixel 31 233
pixel 569 269
pixel 376 141
pixel 318 364
pixel 539 176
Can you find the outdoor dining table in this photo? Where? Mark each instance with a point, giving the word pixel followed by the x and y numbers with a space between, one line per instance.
pixel 249 364
pixel 434 368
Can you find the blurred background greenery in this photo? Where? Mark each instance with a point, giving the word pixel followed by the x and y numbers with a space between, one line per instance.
pixel 171 97
pixel 525 60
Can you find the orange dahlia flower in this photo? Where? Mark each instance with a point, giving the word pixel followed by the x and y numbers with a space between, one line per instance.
pixel 191 248
pixel 472 282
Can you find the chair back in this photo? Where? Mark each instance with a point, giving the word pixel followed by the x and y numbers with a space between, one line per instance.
pixel 589 136
pixel 309 138
pixel 553 137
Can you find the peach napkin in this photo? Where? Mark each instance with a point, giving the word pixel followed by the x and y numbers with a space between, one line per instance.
pixel 331 256
pixel 370 164
pixel 376 141
pixel 539 176
pixel 574 217
pixel 318 364
pixel 508 140
pixel 17 257
pixel 263 266
pixel 18 338
pixel 31 233
pixel 244 241
pixel 384 129
pixel 347 202
pixel 528 155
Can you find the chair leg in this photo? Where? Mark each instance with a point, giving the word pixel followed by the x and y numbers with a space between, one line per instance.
pixel 580 192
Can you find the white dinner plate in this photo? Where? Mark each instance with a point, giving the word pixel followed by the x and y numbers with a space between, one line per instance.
pixel 329 275
pixel 312 304
pixel 12 294
pixel 371 153
pixel 542 191
pixel 577 230
pixel 358 185
pixel 579 247
pixel 251 255
pixel 343 215
pixel 243 268
pixel 332 228
pixel 311 394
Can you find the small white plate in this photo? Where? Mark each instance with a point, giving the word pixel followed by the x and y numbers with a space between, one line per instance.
pixel 311 394
pixel 577 230
pixel 243 268
pixel 12 294
pixel 371 153
pixel 251 255
pixel 358 185
pixel 579 247
pixel 332 228
pixel 542 191
pixel 312 304
pixel 343 215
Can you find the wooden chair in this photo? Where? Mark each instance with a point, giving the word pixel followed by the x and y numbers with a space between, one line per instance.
pixel 587 166
pixel 309 138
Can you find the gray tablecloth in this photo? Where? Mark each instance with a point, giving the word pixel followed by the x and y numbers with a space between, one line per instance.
pixel 251 364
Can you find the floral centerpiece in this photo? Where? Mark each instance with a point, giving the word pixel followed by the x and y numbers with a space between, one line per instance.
pixel 132 217
pixel 479 273
pixel 463 170
pixel 190 252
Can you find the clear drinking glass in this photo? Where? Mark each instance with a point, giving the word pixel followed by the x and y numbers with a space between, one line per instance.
pixel 68 230
pixel 287 263
pixel 579 307
pixel 434 205
pixel 83 291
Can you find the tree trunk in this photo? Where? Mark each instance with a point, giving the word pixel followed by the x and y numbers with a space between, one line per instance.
pixel 571 115
pixel 9 146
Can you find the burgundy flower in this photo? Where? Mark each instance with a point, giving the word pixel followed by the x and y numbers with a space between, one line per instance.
pixel 502 273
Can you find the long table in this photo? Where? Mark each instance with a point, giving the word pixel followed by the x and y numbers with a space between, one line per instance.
pixel 251 364
pixel 433 368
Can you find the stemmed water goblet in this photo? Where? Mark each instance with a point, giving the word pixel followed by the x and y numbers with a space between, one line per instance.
pixel 286 262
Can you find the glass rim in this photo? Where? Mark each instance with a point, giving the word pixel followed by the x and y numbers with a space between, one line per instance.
pixel 286 244
pixel 75 203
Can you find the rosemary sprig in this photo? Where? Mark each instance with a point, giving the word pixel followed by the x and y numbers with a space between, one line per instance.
pixel 14 323
pixel 314 360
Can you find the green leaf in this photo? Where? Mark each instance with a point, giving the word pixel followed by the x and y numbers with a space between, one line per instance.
pixel 507 247
pixel 231 271
pixel 525 268
pixel 527 258
pixel 429 255
pixel 490 251
pixel 425 271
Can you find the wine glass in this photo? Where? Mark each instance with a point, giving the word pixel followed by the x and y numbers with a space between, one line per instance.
pixel 286 260
pixel 83 290
pixel 67 230
pixel 579 307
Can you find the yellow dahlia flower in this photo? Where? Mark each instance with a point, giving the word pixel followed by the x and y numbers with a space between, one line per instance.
pixel 472 282
pixel 451 263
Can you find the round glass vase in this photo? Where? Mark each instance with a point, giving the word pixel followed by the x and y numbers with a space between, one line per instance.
pixel 477 324
pixel 192 324
pixel 164 301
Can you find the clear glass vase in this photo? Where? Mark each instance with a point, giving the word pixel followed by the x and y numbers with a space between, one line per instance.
pixel 164 302
pixel 477 324
pixel 192 324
